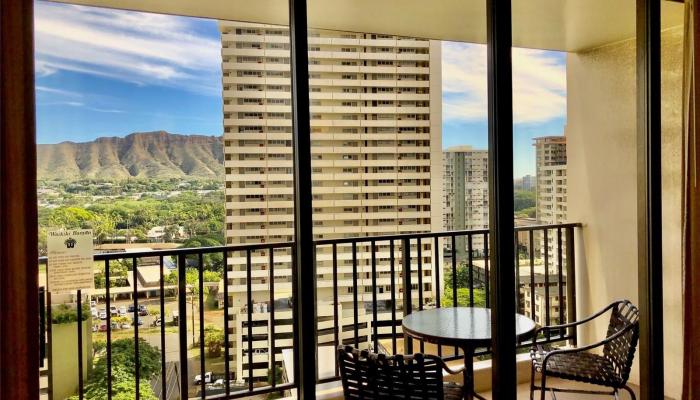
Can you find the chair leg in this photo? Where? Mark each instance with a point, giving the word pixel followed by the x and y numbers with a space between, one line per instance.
pixel 532 382
pixel 543 388
pixel 631 392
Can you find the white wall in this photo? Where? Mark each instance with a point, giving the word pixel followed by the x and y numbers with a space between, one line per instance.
pixel 602 189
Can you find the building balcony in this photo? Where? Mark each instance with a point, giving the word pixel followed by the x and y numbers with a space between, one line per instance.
pixel 362 289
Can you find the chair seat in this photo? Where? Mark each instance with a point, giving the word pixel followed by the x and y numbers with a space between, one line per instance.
pixel 579 366
pixel 453 391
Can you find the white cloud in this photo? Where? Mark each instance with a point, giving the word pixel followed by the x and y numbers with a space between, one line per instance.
pixel 79 104
pixel 539 84
pixel 56 91
pixel 135 47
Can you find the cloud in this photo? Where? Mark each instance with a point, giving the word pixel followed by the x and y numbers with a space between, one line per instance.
pixel 57 91
pixel 81 105
pixel 539 84
pixel 135 47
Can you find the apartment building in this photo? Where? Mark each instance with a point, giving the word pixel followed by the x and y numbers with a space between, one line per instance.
pixel 376 154
pixel 465 194
pixel 541 306
pixel 551 178
pixel 550 154
pixel 527 183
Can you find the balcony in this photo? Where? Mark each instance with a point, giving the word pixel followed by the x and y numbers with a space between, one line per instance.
pixel 363 292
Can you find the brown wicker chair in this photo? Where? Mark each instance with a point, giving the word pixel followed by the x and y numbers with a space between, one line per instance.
pixel 609 368
pixel 370 376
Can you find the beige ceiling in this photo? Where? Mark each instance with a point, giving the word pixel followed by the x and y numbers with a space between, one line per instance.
pixel 567 25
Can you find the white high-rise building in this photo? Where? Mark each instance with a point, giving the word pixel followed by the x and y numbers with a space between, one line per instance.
pixel 550 152
pixel 376 148
pixel 466 193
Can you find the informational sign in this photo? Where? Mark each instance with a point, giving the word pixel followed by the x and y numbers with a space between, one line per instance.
pixel 70 265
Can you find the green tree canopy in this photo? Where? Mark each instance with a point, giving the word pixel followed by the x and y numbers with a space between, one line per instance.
pixel 123 372
pixel 524 199
pixel 213 340
pixel 463 297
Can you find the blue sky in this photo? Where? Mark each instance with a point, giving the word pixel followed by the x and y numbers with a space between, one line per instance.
pixel 110 73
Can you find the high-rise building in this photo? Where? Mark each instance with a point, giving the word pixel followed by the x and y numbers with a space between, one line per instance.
pixel 550 154
pixel 376 154
pixel 465 193
pixel 529 183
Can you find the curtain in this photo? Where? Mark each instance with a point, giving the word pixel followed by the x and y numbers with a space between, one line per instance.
pixel 691 207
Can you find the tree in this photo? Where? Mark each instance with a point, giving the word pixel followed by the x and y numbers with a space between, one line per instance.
pixel 212 261
pixel 530 212
pixel 213 340
pixel 524 199
pixel 123 372
pixel 120 320
pixel 278 378
pixel 462 275
pixel 463 297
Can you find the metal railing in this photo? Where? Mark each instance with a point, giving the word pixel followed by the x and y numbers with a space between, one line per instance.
pixel 364 290
pixel 545 274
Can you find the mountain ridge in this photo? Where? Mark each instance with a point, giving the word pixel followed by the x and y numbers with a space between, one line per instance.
pixel 157 154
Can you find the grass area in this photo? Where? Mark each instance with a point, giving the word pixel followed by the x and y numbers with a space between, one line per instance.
pixel 129 333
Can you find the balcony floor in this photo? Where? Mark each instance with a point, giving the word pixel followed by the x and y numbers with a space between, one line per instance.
pixel 524 391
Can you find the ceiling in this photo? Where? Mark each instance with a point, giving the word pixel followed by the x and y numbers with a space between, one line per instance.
pixel 565 25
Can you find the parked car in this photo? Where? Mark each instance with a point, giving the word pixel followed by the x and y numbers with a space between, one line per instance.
pixel 131 308
pixel 122 310
pixel 93 303
pixel 103 314
pixel 103 327
pixel 143 311
pixel 219 382
pixel 94 313
pixel 114 311
pixel 126 326
pixel 207 378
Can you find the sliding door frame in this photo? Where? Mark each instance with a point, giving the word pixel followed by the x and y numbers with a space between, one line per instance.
pixel 649 217
pixel 500 162
pixel 19 291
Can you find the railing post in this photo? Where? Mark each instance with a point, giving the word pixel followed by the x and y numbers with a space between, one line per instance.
pixel 571 283
pixel 407 290
pixel 182 322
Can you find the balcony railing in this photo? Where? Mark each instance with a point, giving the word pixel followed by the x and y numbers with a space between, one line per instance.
pixel 364 288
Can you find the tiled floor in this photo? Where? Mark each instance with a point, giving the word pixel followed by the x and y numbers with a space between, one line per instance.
pixel 524 392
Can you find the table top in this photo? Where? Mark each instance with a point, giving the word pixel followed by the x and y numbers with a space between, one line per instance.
pixel 459 326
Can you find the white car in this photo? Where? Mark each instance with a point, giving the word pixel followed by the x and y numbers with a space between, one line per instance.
pixel 94 313
pixel 207 378
pixel 103 314
pixel 122 310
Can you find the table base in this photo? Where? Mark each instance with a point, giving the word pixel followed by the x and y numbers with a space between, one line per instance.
pixel 469 393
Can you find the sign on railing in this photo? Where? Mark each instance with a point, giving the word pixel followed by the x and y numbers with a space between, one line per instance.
pixel 71 255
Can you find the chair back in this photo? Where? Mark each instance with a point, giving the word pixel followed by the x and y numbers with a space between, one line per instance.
pixel 370 376
pixel 620 351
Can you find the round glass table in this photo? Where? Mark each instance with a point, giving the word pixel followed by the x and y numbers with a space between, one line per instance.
pixel 464 327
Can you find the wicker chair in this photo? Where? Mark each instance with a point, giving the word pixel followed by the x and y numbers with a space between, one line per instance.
pixel 372 376
pixel 609 368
